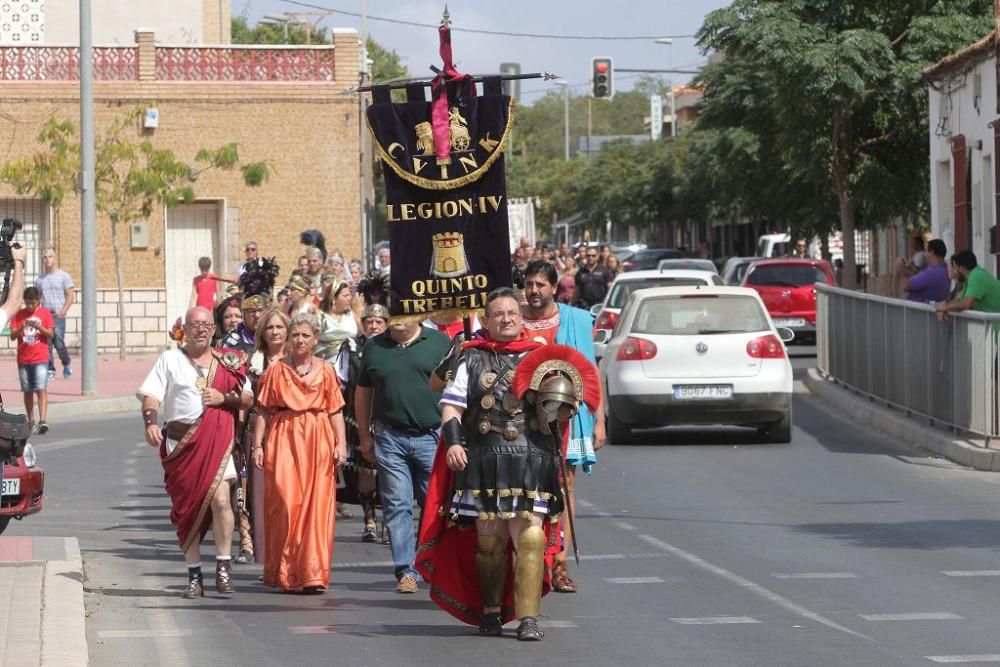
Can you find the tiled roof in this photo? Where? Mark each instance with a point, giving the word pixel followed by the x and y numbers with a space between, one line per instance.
pixel 962 60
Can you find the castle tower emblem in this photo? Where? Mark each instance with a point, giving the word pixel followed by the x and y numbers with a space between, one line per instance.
pixel 448 259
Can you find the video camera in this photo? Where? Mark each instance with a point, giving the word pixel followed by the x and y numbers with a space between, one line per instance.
pixel 8 227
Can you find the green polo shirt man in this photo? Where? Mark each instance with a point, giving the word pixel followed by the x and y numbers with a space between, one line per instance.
pixel 394 396
pixel 982 291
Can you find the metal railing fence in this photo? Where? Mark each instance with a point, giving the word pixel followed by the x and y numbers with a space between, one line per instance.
pixel 898 352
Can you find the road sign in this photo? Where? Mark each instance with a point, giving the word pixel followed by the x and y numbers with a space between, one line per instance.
pixel 655 116
pixel 511 88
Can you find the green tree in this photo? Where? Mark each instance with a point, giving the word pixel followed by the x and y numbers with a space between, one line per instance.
pixel 132 178
pixel 838 80
pixel 269 33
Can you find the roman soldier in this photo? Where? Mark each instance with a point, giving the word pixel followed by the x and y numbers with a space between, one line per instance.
pixel 257 283
pixel 504 412
pixel 360 473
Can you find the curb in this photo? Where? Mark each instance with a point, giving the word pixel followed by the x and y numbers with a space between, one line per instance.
pixel 909 431
pixel 64 625
pixel 85 407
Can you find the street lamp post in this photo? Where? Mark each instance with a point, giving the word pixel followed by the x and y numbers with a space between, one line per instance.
pixel 670 82
pixel 565 87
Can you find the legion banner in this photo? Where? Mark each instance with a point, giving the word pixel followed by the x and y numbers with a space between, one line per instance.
pixel 446 196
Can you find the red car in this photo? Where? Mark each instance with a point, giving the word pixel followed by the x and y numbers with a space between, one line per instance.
pixel 788 289
pixel 23 484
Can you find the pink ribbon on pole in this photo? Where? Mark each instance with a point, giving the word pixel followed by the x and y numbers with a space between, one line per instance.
pixel 439 96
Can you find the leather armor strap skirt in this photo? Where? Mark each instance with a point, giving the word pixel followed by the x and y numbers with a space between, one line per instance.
pixel 506 479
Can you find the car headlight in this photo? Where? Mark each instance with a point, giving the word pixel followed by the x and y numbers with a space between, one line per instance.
pixel 30 459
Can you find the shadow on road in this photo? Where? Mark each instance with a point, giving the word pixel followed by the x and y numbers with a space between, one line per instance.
pixel 697 436
pixel 929 534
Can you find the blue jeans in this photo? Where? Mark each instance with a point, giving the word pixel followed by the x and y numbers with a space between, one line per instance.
pixel 59 342
pixel 404 467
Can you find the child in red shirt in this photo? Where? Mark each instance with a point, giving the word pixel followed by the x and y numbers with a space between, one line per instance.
pixel 32 327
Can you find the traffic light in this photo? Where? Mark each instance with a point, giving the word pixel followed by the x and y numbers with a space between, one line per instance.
pixel 602 76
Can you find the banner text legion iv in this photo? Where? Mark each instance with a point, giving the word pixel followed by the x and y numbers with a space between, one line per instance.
pixel 446 192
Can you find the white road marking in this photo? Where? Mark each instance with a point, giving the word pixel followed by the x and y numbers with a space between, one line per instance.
pixel 363 563
pixel 585 503
pixel 130 481
pixel 715 620
pixel 625 525
pixel 311 629
pixel 69 442
pixel 986 657
pixel 971 573
pixel 142 634
pixel 748 585
pixel 814 575
pixel 621 556
pixel 634 580
pixel 170 648
pixel 919 616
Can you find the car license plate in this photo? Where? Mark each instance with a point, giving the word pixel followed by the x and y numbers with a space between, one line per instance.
pixel 695 392
pixel 12 487
pixel 790 322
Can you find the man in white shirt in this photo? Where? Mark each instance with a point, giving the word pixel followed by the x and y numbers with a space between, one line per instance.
pixel 56 287
pixel 201 391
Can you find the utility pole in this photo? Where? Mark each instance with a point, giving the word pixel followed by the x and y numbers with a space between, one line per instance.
pixel 88 206
pixel 670 81
pixel 364 155
pixel 996 51
pixel 565 85
pixel 590 119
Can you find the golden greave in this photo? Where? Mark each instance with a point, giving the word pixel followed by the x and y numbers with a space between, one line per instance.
pixel 491 566
pixel 529 571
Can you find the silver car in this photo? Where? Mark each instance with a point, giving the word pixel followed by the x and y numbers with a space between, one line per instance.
pixel 697 355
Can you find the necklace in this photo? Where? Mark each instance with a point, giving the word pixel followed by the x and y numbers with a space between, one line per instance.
pixel 308 370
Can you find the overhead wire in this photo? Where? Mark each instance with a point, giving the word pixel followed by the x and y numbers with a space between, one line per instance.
pixel 502 33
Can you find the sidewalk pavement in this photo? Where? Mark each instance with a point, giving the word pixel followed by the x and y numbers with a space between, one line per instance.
pixel 909 430
pixel 44 620
pixel 117 382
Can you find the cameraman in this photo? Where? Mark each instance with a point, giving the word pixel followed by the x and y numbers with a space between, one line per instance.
pixel 15 290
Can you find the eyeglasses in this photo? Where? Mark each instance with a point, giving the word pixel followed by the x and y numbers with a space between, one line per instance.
pixel 200 326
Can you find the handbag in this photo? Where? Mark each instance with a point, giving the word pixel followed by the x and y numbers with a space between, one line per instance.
pixel 14 432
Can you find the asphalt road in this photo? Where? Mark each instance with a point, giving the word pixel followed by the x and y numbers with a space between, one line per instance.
pixel 701 548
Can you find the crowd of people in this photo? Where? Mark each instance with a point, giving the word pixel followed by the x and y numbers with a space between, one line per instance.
pixel 584 272
pixel 329 400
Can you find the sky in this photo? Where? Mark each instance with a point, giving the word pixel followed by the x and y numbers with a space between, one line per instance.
pixel 479 54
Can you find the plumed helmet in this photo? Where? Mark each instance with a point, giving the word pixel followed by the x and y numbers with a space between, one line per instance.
pixel 554 376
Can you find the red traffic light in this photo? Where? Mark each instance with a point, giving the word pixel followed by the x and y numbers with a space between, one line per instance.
pixel 601 67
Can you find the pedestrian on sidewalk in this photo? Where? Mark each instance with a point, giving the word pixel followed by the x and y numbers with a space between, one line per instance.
pixel 563 324
pixel 299 448
pixel 930 284
pixel 32 327
pixel 394 400
pixel 205 285
pixel 201 391
pixel 982 291
pixel 58 295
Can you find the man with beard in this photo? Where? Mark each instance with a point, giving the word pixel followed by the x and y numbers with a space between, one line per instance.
pixel 593 279
pixel 201 391
pixel 565 325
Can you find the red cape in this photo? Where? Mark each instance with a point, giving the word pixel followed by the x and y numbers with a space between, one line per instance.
pixel 446 551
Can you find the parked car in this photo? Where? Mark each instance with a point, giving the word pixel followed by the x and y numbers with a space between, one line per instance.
pixel 735 268
pixel 693 263
pixel 788 288
pixel 21 488
pixel 649 258
pixel 697 355
pixel 625 284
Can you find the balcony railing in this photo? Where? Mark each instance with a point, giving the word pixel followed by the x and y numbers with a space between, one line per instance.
pixel 62 63
pixel 244 64
pixel 172 63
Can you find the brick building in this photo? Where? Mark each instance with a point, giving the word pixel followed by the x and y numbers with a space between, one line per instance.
pixel 284 105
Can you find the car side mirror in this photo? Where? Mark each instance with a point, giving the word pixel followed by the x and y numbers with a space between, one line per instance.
pixel 595 310
pixel 601 336
pixel 786 334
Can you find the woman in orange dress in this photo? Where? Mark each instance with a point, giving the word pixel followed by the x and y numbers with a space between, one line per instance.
pixel 305 441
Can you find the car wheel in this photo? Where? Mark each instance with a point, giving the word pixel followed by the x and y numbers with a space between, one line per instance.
pixel 4 520
pixel 619 432
pixel 781 430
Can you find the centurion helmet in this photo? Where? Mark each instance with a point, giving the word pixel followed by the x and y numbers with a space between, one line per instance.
pixel 553 377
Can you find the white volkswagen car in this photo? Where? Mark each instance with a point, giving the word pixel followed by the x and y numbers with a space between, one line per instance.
pixel 697 355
